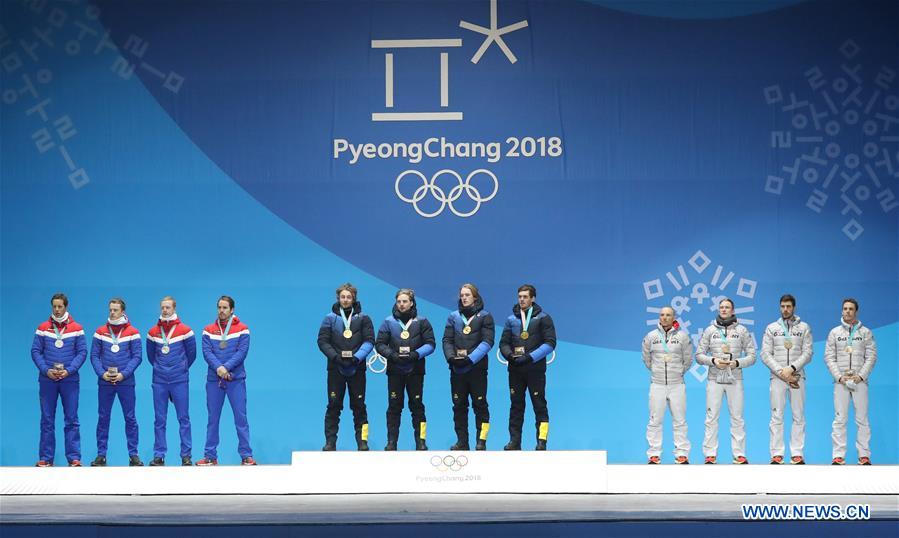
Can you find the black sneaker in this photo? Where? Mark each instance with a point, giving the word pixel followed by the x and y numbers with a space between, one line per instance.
pixel 134 461
pixel 330 446
pixel 541 444
pixel 186 461
pixel 513 445
pixel 157 462
pixel 420 444
pixel 391 445
pixel 482 445
pixel 99 461
pixel 362 446
pixel 460 446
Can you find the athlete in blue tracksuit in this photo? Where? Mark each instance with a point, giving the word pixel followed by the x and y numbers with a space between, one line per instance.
pixel 346 337
pixel 115 354
pixel 404 340
pixel 529 336
pixel 225 346
pixel 58 351
pixel 171 349
pixel 467 339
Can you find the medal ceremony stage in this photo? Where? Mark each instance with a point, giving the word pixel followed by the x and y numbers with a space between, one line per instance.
pixel 444 493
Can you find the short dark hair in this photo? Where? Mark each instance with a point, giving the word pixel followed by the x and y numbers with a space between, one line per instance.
pixel 532 291
pixel 228 299
pixel 850 300
pixel 787 298
pixel 118 301
pixel 346 287
pixel 59 297
pixel 728 300
pixel 406 291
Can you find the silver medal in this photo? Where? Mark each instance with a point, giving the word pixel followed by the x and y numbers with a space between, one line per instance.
pixel 115 348
pixel 165 350
pixel 58 343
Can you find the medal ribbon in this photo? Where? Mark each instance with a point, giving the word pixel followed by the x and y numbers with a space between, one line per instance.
pixel 723 336
pixel 664 340
pixel 466 320
pixel 56 330
pixel 852 333
pixel 787 336
pixel 227 329
pixel 405 326
pixel 166 338
pixel 114 336
pixel 346 320
pixel 525 322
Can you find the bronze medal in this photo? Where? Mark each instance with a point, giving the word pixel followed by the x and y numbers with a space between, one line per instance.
pixel 223 344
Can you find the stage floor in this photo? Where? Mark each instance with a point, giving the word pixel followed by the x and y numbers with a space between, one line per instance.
pixel 231 510
pixel 492 494
pixel 550 472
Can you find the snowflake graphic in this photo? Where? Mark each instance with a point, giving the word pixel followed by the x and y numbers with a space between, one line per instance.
pixel 846 130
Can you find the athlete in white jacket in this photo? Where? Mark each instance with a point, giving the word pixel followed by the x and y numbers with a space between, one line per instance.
pixel 726 347
pixel 786 349
pixel 850 355
pixel 667 353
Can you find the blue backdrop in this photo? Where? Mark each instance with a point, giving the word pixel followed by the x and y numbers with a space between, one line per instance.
pixel 644 154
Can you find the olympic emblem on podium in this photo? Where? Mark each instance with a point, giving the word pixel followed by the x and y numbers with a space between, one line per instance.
pixel 376 363
pixel 430 187
pixel 449 462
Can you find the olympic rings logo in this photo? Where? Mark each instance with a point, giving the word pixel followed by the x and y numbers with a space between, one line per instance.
pixel 377 364
pixel 431 187
pixel 502 360
pixel 449 463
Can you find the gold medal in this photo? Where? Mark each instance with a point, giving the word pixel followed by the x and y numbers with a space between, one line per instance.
pixel 347 333
pixel 725 348
pixel 788 345
pixel 466 330
pixel 524 335
pixel 404 335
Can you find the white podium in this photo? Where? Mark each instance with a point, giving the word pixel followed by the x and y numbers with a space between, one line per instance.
pixel 436 472
pixel 454 472
pixel 332 472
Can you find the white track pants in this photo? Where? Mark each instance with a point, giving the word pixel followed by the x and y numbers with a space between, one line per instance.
pixel 841 397
pixel 714 393
pixel 780 393
pixel 674 397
